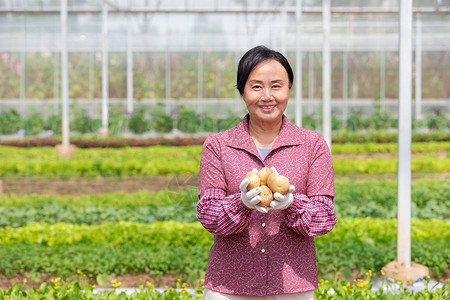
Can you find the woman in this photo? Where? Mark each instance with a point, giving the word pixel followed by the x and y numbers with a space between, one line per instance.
pixel 264 251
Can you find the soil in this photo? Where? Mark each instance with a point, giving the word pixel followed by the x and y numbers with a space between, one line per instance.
pixel 26 186
pixel 75 187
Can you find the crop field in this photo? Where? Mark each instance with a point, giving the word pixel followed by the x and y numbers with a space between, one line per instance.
pixel 117 217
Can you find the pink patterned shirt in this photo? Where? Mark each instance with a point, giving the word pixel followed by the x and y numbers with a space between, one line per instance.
pixel 261 254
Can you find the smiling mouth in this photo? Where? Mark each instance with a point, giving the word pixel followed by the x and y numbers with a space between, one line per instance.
pixel 267 106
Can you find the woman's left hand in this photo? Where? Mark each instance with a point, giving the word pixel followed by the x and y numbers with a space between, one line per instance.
pixel 281 201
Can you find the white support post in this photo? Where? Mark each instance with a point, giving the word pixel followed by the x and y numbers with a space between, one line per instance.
pixel 311 82
pixel 65 149
pixel 168 82
pixel 383 75
pixel 199 107
pixel 326 72
pixel 105 59
pixel 129 66
pixel 345 77
pixel 404 134
pixel 23 78
pixel 345 87
pixel 418 67
pixel 298 65
pixel 383 79
pixel 64 76
pixel 91 76
pixel 283 48
pixel 56 67
pixel 403 268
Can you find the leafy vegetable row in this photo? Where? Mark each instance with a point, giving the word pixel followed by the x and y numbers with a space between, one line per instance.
pixel 354 198
pixel 155 161
pixel 195 150
pixel 82 290
pixel 182 248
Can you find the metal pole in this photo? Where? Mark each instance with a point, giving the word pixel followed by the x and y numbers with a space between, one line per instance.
pixel 56 83
pixel 200 84
pixel 418 67
pixel 91 82
pixel 283 29
pixel 382 76
pixel 200 75
pixel 129 66
pixel 345 87
pixel 326 72
pixel 311 83
pixel 404 135
pixel 298 66
pixel 345 77
pixel 23 75
pixel 91 75
pixel 167 82
pixel 105 66
pixel 64 76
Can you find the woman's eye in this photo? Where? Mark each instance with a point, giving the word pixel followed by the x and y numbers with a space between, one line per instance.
pixel 276 86
pixel 256 87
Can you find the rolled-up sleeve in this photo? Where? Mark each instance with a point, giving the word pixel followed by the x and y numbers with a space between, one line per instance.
pixel 217 212
pixel 312 214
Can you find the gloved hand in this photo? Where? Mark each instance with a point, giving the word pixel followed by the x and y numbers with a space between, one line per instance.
pixel 250 199
pixel 282 201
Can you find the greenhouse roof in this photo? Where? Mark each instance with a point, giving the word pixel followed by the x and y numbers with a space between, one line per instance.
pixel 204 25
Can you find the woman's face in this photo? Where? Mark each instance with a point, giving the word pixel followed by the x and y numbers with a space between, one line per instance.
pixel 266 92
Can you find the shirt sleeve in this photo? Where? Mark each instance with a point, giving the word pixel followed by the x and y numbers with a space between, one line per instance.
pixel 217 212
pixel 311 216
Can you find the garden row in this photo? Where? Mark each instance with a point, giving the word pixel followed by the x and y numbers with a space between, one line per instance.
pixel 360 198
pixel 388 139
pixel 159 160
pixel 195 148
pixel 82 290
pixel 357 244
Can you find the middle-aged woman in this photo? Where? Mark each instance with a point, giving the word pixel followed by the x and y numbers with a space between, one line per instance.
pixel 264 252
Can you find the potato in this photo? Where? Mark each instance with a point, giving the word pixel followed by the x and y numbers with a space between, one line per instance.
pixel 278 183
pixel 264 174
pixel 266 196
pixel 254 180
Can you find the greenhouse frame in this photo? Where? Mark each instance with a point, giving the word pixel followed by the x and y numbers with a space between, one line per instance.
pixel 185 53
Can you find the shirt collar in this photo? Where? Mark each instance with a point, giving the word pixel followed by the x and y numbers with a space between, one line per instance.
pixel 239 136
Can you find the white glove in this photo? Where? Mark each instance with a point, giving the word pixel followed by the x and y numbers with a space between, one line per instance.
pixel 250 199
pixel 281 201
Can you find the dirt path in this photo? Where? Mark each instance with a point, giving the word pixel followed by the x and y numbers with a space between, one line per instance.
pixel 27 186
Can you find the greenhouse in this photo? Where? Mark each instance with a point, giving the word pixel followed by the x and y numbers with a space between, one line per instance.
pixel 184 54
pixel 107 109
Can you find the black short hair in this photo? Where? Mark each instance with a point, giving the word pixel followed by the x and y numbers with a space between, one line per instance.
pixel 252 58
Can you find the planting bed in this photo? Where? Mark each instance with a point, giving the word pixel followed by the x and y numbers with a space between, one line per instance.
pixel 81 218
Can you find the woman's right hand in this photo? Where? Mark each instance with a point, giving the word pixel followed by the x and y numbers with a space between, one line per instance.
pixel 250 198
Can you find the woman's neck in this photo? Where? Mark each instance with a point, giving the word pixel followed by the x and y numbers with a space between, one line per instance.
pixel 264 135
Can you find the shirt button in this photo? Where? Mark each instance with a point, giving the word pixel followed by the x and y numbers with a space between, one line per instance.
pixel 263 250
pixel 263 224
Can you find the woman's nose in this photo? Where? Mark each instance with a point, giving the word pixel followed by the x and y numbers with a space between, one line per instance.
pixel 266 94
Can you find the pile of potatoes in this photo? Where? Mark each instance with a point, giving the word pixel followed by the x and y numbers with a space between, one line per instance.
pixel 270 182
